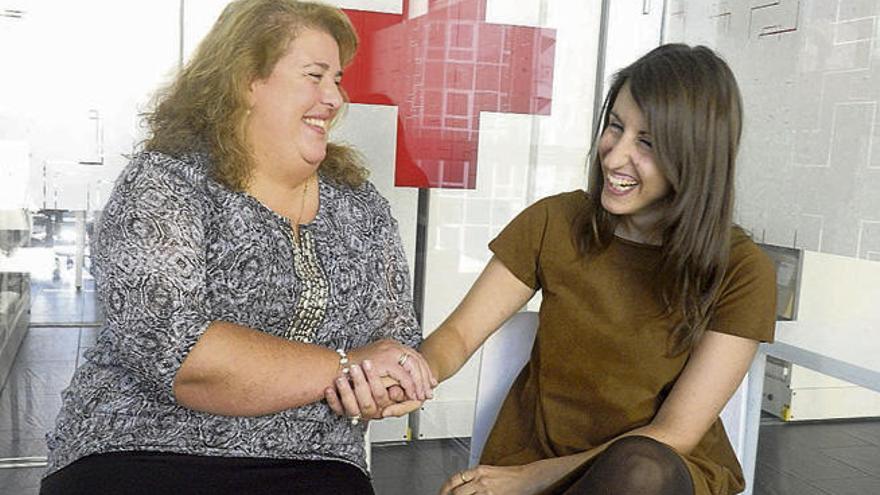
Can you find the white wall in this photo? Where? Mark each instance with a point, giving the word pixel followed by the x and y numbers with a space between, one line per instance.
pixel 809 173
pixel 634 28
pixel 809 167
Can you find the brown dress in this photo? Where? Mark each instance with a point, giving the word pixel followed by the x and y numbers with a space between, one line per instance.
pixel 599 366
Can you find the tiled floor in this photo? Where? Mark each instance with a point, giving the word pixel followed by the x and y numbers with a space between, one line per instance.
pixel 419 467
pixel 819 458
pixel 30 399
pixel 826 458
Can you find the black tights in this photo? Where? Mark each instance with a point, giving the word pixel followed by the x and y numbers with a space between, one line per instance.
pixel 635 465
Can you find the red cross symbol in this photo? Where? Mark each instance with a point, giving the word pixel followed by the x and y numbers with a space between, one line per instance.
pixel 442 69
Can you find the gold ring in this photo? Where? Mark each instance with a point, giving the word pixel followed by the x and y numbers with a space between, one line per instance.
pixel 402 359
pixel 463 479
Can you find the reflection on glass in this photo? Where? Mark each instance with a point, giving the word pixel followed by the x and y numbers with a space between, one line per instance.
pixel 441 69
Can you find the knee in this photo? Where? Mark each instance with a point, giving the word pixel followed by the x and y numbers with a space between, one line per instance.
pixel 644 465
pixel 639 445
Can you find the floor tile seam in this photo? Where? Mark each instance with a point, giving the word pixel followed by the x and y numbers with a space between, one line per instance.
pixel 23 467
pixel 870 442
pixel 769 466
pixel 52 384
pixel 800 478
pixel 77 325
pixel 27 433
pixel 857 468
pixel 798 439
pixel 863 476
pixel 427 467
pixel 30 427
pixel 830 449
pixel 62 324
pixel 28 436
pixel 378 480
pixel 834 481
pixel 779 471
pixel 49 328
pixel 54 390
pixel 41 340
pixel 53 395
pixel 5 436
pixel 787 441
pixel 420 470
pixel 27 361
pixel 30 361
pixel 819 488
pixel 867 441
pixel 42 403
pixel 801 443
pixel 18 453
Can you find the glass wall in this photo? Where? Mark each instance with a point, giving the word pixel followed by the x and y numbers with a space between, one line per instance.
pixel 76 75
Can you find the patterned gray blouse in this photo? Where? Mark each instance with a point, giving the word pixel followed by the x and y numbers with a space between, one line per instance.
pixel 176 250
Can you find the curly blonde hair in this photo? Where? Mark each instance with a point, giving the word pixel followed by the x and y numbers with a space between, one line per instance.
pixel 205 108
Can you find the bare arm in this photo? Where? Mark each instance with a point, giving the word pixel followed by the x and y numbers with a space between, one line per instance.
pixel 495 296
pixel 714 371
pixel 237 371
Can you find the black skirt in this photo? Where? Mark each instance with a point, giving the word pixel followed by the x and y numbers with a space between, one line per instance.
pixel 151 473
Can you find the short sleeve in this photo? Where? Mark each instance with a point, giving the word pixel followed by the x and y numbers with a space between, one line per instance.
pixel 519 245
pixel 149 264
pixel 746 305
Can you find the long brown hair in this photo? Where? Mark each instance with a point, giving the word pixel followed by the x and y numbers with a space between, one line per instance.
pixel 693 107
pixel 205 108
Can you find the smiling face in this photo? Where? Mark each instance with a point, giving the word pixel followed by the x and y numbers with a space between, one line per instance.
pixel 291 110
pixel 634 185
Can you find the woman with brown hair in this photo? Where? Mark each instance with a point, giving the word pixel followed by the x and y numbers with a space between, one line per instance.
pixel 244 264
pixel 653 303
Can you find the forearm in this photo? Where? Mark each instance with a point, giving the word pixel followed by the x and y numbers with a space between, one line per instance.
pixel 494 297
pixel 445 351
pixel 237 371
pixel 548 472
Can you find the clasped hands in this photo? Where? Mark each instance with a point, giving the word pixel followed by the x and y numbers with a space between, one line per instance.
pixel 385 379
pixel 389 379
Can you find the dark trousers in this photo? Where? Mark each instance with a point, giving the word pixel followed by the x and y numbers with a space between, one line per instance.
pixel 152 473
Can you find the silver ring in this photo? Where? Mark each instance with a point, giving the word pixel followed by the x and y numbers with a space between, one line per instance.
pixel 402 359
pixel 355 419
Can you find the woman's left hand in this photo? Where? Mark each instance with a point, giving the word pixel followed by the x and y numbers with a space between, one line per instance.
pixel 491 480
pixel 367 395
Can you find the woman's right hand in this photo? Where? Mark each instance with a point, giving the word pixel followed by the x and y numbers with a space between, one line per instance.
pixel 403 364
pixel 363 394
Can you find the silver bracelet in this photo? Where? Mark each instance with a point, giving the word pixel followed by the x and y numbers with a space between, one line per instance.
pixel 343 361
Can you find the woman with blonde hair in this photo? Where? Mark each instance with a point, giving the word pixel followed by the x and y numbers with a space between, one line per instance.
pixel 653 303
pixel 244 265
